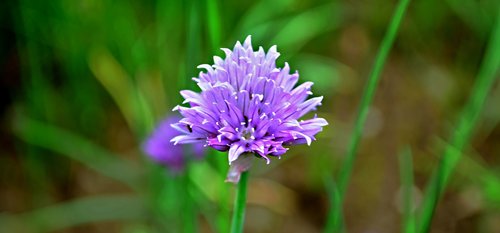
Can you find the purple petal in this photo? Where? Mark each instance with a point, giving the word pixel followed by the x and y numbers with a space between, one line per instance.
pixel 159 148
pixel 184 139
pixel 235 151
pixel 309 105
pixel 191 97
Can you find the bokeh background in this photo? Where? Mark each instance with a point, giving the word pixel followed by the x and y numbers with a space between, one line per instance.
pixel 83 83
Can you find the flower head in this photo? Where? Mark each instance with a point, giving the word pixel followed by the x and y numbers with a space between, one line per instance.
pixel 159 148
pixel 248 105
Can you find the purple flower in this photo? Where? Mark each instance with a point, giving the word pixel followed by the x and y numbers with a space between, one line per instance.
pixel 159 148
pixel 248 105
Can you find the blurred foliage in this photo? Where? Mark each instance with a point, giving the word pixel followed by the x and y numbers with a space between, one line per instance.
pixel 83 83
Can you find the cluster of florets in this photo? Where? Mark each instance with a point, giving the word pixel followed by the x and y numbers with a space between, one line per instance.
pixel 246 104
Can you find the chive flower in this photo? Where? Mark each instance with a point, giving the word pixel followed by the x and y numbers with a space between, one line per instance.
pixel 247 105
pixel 159 148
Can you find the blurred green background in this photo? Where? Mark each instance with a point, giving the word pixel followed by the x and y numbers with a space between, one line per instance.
pixel 84 82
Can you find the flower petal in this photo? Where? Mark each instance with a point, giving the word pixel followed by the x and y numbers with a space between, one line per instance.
pixel 184 139
pixel 235 151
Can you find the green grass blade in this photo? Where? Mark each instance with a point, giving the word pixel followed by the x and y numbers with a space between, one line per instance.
pixel 214 25
pixel 193 49
pixel 334 216
pixel 189 205
pixel 369 93
pixel 261 12
pixel 118 84
pixel 310 24
pixel 334 199
pixel 406 175
pixel 77 148
pixel 74 213
pixel 488 72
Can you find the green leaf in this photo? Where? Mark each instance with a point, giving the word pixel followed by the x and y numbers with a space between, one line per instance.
pixel 77 148
pixel 76 212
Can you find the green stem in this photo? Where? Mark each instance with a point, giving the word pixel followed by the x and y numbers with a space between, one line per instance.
pixel 240 204
pixel 334 219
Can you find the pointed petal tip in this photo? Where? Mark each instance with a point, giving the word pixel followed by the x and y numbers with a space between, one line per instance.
pixel 205 66
pixel 174 140
pixel 321 121
pixel 248 41
pixel 308 140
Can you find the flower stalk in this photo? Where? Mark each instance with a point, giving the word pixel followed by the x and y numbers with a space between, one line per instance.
pixel 240 204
